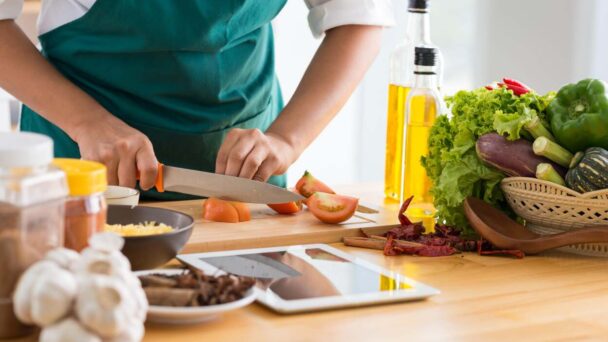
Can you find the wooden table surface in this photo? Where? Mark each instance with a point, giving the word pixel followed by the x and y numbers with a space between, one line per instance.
pixel 555 296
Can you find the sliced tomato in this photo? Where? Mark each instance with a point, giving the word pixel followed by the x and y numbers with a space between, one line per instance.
pixel 287 208
pixel 218 210
pixel 308 185
pixel 331 208
pixel 243 211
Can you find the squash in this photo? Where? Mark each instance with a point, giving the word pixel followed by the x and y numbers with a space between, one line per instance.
pixel 589 170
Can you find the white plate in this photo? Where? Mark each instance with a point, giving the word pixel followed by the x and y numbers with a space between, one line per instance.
pixel 191 315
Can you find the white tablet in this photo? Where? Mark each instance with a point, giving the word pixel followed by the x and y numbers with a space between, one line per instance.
pixel 311 277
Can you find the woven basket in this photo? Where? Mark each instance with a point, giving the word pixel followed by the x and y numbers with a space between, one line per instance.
pixel 549 208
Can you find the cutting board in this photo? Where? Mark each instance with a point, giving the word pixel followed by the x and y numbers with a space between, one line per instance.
pixel 267 228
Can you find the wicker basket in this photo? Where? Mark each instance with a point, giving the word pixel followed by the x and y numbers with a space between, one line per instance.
pixel 549 208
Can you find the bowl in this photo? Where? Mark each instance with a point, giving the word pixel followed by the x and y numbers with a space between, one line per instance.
pixel 151 251
pixel 121 195
pixel 549 208
pixel 192 315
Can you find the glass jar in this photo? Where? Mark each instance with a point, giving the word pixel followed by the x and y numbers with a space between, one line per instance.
pixel 85 208
pixel 32 195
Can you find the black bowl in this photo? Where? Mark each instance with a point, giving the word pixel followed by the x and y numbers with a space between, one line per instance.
pixel 151 251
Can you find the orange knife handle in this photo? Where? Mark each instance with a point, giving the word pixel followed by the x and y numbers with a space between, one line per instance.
pixel 159 178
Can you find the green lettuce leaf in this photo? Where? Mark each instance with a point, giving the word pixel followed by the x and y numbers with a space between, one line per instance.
pixel 452 163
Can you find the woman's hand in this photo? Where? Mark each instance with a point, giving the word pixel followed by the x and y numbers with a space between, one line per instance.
pixel 121 148
pixel 249 153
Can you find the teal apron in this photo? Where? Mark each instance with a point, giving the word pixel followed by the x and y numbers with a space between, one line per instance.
pixel 182 72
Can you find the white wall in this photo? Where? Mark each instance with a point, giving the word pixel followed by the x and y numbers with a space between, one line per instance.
pixel 545 43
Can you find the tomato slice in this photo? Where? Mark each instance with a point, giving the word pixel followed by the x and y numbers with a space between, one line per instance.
pixel 220 211
pixel 331 208
pixel 243 211
pixel 287 208
pixel 308 185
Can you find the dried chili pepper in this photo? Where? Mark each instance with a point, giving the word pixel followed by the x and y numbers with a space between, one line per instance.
pixel 445 240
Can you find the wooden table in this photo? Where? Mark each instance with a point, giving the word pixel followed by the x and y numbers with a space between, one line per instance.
pixel 556 296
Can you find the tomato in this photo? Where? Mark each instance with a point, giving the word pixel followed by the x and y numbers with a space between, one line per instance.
pixel 287 208
pixel 331 208
pixel 215 209
pixel 308 185
pixel 242 210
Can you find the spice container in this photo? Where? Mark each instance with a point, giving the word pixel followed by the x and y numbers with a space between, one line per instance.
pixel 32 195
pixel 85 208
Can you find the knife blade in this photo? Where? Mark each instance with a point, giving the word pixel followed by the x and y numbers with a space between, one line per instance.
pixel 206 184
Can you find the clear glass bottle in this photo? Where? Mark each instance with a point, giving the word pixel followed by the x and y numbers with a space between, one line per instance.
pixel 401 79
pixel 422 106
pixel 32 195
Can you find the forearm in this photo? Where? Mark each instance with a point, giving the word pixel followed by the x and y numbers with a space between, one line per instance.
pixel 34 81
pixel 335 71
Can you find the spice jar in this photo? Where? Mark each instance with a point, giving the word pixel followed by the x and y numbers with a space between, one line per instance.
pixel 32 194
pixel 85 208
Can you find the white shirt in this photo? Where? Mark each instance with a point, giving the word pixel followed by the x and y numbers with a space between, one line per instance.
pixel 322 16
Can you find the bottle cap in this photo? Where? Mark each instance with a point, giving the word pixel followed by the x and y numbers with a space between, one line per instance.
pixel 425 56
pixel 84 177
pixel 21 149
pixel 418 5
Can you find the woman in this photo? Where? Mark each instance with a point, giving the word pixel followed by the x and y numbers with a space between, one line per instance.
pixel 188 83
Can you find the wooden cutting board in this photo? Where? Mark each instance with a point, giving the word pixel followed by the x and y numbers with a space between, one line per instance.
pixel 268 228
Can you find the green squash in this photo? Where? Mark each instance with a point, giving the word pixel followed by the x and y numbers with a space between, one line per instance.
pixel 589 170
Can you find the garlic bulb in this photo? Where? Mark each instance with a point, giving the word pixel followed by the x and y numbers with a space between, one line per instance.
pixel 105 306
pixel 68 330
pixel 134 333
pixel 103 257
pixel 45 293
pixel 65 258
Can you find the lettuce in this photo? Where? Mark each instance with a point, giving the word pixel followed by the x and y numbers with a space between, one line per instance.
pixel 452 163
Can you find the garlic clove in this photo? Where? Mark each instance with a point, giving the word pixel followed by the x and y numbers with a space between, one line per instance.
pixel 107 242
pixel 67 330
pixel 63 257
pixel 52 296
pixel 104 305
pixel 22 297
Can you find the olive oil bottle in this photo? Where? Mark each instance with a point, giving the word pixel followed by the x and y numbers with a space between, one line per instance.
pixel 401 78
pixel 422 105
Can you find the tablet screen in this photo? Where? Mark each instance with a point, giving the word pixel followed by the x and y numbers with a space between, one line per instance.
pixel 304 273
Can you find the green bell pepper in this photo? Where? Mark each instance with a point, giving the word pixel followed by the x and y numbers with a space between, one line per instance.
pixel 579 115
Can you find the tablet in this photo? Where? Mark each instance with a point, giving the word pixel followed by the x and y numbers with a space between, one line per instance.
pixel 311 277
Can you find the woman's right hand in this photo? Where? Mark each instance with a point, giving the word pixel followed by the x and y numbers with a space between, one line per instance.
pixel 121 148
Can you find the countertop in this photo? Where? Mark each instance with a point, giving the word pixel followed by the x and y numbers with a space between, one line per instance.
pixel 551 297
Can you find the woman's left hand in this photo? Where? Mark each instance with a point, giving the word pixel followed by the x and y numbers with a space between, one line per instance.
pixel 249 153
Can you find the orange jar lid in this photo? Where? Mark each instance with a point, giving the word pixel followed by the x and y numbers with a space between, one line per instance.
pixel 84 177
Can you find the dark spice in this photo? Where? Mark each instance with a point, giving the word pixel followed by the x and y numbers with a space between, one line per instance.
pixel 194 288
pixel 444 241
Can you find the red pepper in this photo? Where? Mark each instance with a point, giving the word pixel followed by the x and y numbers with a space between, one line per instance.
pixel 489 87
pixel 516 87
pixel 515 83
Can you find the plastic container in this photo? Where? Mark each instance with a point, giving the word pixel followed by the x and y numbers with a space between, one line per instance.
pixel 85 208
pixel 32 195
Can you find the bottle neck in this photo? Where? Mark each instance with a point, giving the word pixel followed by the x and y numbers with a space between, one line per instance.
pixel 419 27
pixel 425 77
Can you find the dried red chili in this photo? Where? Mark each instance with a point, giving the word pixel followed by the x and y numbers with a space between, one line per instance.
pixel 444 241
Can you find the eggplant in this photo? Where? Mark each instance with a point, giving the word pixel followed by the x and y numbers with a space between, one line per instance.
pixel 514 158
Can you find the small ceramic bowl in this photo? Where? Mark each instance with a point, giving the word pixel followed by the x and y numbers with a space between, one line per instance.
pixel 121 195
pixel 151 251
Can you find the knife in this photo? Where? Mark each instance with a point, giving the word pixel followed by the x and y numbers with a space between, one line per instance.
pixel 252 265
pixel 206 184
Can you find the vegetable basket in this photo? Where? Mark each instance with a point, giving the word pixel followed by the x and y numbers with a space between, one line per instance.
pixel 549 208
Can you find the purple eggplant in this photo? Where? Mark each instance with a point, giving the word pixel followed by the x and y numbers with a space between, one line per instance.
pixel 514 158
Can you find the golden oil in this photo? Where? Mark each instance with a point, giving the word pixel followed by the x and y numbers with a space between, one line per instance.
pixel 394 140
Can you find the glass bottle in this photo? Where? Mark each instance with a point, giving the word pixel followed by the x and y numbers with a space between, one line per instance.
pixel 400 81
pixel 422 106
